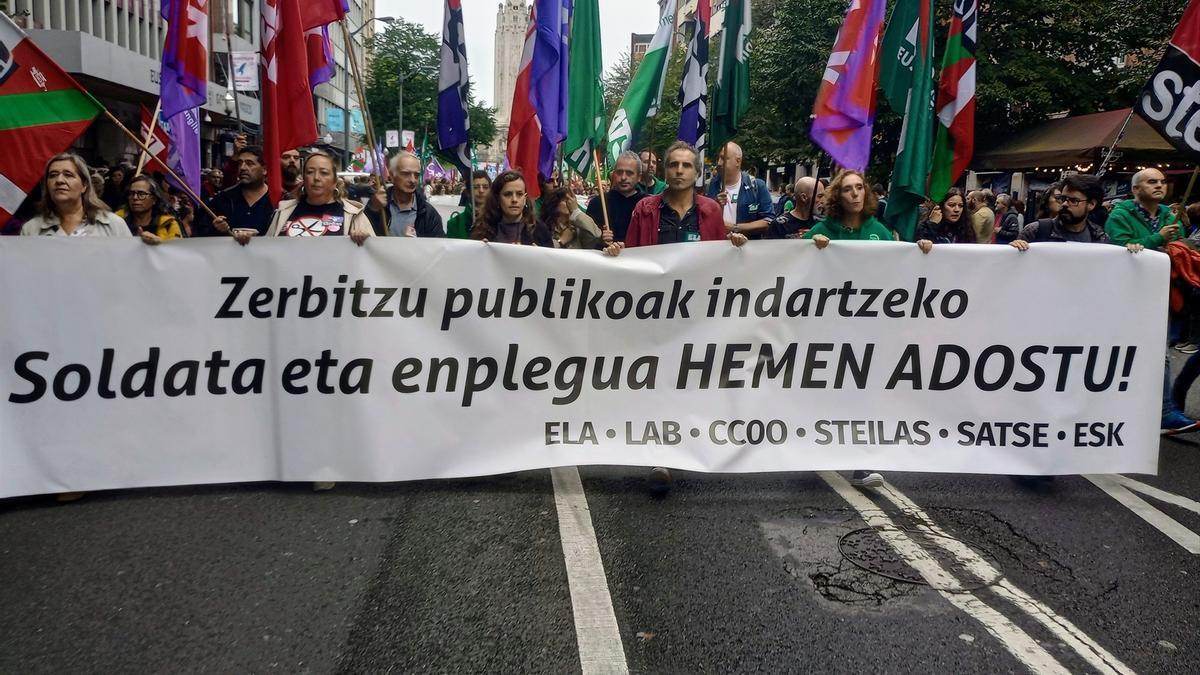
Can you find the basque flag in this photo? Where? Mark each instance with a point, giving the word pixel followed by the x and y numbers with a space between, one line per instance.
pixel 453 116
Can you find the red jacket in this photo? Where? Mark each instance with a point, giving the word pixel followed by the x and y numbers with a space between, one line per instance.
pixel 643 225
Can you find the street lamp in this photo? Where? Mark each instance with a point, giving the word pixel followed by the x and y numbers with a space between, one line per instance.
pixel 229 103
pixel 346 86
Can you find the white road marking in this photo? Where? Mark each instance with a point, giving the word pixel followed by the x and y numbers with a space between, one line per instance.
pixel 1160 495
pixel 1166 524
pixel 1064 630
pixel 600 648
pixel 1024 648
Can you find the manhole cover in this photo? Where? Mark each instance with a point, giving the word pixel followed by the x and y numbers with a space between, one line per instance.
pixel 866 549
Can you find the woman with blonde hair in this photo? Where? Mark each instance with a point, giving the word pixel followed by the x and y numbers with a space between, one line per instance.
pixel 70 206
pixel 321 210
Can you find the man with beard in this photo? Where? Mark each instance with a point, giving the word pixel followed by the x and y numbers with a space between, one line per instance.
pixel 649 182
pixel 621 197
pixel 745 200
pixel 245 206
pixel 1080 195
pixel 289 165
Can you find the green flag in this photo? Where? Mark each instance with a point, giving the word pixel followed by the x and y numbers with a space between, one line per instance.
pixel 732 98
pixel 642 98
pixel 585 96
pixel 906 77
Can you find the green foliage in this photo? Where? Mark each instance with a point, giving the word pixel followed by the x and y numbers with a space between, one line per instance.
pixel 405 48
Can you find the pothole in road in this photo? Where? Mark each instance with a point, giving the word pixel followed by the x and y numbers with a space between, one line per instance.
pixel 866 549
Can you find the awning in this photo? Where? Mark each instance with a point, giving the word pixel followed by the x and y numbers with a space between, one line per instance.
pixel 1076 140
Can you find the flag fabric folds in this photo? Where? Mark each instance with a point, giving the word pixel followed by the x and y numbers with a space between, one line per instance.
pixel 585 110
pixel 1171 100
pixel 453 116
pixel 548 77
pixel 184 84
pixel 693 90
pixel 288 119
pixel 319 49
pixel 731 96
pixel 954 141
pixel 524 130
pixel 644 94
pixel 158 143
pixel 906 77
pixel 845 106
pixel 42 111
pixel 323 12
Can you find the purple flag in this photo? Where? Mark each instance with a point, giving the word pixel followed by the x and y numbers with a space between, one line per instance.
pixel 434 170
pixel 184 84
pixel 549 77
pixel 453 118
pixel 320 55
pixel 183 152
pixel 845 107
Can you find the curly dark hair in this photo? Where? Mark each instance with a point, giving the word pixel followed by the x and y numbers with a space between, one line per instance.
pixel 493 215
pixel 550 201
pixel 833 197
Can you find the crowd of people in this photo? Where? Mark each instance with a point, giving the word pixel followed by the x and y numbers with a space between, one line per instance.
pixel 635 207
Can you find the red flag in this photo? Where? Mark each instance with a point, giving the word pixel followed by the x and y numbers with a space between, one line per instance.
pixel 288 120
pixel 318 13
pixel 524 129
pixel 158 143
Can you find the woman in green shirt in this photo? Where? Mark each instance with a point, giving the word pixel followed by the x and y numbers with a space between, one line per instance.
pixel 850 214
pixel 460 224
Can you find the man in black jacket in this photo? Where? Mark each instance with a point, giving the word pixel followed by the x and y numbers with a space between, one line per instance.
pixel 407 214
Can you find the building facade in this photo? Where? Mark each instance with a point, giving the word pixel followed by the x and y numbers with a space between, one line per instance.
pixel 512 20
pixel 114 49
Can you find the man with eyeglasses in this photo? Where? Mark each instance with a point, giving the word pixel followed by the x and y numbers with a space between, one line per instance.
pixel 405 211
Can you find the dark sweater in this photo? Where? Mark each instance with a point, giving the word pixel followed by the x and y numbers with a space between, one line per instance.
pixel 620 211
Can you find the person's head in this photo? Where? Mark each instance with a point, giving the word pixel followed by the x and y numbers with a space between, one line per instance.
pixel 289 164
pixel 144 196
pixel 1080 194
pixel 625 172
pixel 808 191
pixel 319 171
pixel 649 162
pixel 974 201
pixel 251 166
pixel 988 197
pixel 878 190
pixel 1048 202
pixel 507 201
pixel 683 165
pixel 216 177
pixel 480 184
pixel 557 205
pixel 952 205
pixel 406 173
pixel 730 160
pixel 1003 202
pixel 117 175
pixel 97 182
pixel 848 196
pixel 1193 213
pixel 66 186
pixel 1150 186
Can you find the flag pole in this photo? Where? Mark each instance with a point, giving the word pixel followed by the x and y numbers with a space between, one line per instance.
pixel 1116 141
pixel 362 99
pixel 228 18
pixel 1187 194
pixel 600 183
pixel 149 137
pixel 170 172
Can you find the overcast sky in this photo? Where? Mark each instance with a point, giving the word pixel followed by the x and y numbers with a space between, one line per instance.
pixel 618 18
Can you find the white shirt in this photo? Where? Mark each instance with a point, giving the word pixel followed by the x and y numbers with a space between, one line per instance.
pixel 732 191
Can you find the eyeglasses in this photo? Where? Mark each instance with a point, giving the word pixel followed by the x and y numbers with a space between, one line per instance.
pixel 1072 201
pixel 138 194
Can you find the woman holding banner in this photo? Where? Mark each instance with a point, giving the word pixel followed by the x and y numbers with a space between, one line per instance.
pixel 70 206
pixel 850 215
pixel 508 215
pixel 320 211
pixel 946 224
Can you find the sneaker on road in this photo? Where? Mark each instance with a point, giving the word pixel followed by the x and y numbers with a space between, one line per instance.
pixel 323 485
pixel 1187 348
pixel 659 480
pixel 1177 423
pixel 867 479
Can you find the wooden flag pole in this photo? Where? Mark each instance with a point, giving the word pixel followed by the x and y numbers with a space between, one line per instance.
pixel 142 157
pixel 1187 194
pixel 600 182
pixel 170 172
pixel 362 99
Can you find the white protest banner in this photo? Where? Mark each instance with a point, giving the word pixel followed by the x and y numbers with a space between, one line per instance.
pixel 201 361
pixel 393 138
pixel 245 70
